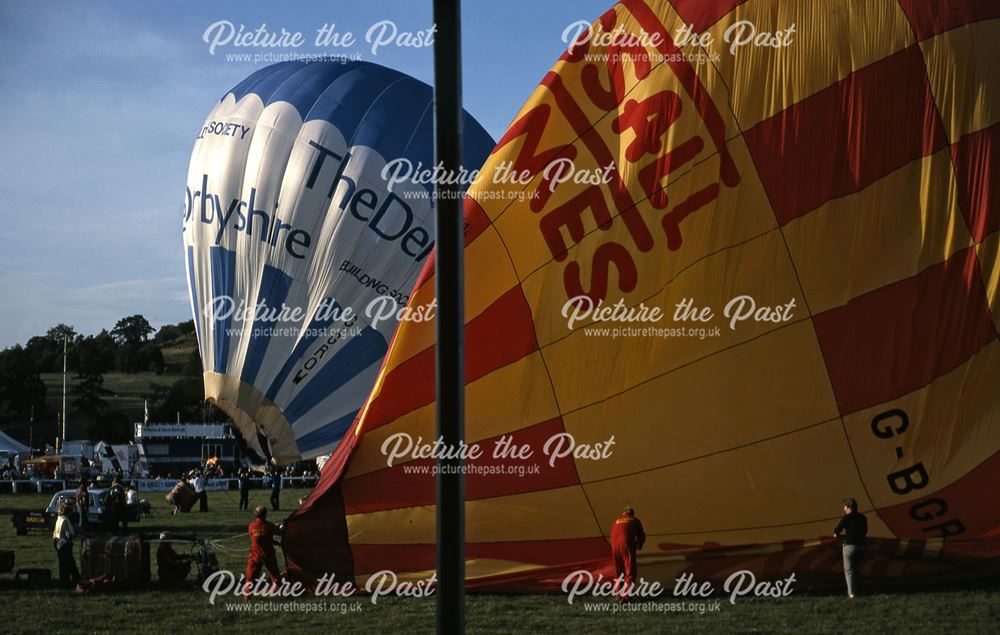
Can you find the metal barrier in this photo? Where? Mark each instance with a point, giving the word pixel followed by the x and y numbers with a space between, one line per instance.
pixel 216 484
pixel 38 486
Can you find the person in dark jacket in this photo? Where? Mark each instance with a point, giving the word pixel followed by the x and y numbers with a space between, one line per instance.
pixel 83 503
pixel 243 479
pixel 115 504
pixel 172 567
pixel 275 489
pixel 854 526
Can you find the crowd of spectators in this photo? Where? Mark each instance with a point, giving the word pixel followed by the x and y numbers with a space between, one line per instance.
pixel 300 474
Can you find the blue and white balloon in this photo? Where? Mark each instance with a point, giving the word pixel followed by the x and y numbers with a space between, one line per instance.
pixel 292 227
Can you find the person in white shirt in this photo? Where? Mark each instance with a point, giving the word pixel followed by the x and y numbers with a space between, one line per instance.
pixel 199 490
pixel 62 540
pixel 132 502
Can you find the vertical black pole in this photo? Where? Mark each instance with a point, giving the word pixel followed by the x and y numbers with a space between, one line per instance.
pixel 450 319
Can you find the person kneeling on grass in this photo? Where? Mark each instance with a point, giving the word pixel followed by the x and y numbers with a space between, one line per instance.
pixel 262 555
pixel 854 525
pixel 171 567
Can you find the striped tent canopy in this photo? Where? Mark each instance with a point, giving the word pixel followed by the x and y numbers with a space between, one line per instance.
pixel 839 181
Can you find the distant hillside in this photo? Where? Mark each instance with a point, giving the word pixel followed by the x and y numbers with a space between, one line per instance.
pixel 177 351
pixel 132 389
pixel 177 388
pixel 128 392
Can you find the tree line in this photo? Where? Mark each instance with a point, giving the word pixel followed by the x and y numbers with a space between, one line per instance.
pixel 130 347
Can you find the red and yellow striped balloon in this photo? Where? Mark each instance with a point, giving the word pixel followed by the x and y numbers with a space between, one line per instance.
pixel 851 171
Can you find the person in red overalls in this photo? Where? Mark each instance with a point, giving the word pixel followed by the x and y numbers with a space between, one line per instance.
pixel 262 554
pixel 627 536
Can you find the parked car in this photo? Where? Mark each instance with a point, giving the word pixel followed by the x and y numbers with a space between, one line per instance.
pixel 97 516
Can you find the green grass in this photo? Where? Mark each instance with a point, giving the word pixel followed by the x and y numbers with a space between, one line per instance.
pixel 956 610
pixel 177 352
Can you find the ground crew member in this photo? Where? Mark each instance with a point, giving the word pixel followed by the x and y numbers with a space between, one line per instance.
pixel 115 499
pixel 275 489
pixel 172 567
pixel 627 536
pixel 199 490
pixel 244 482
pixel 83 503
pixel 262 554
pixel 854 526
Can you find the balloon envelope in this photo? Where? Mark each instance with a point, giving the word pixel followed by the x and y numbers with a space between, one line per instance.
pixel 817 224
pixel 293 230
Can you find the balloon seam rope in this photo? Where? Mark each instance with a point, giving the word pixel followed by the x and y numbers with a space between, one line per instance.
pixel 805 299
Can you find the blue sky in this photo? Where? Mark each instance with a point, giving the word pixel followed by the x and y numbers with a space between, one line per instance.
pixel 100 105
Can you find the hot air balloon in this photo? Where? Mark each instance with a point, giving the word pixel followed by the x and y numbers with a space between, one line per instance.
pixel 814 213
pixel 293 226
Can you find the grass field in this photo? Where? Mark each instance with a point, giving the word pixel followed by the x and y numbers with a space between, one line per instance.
pixel 128 392
pixel 128 389
pixel 957 610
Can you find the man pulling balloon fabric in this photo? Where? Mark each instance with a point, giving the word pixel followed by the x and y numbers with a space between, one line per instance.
pixel 627 536
pixel 262 554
